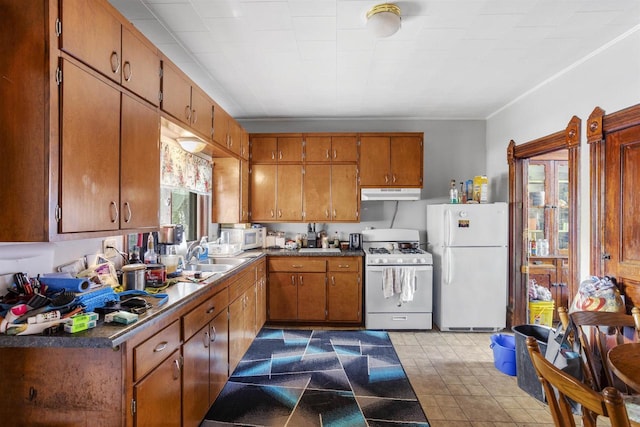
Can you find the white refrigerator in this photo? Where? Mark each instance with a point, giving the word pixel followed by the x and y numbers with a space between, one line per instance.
pixel 470 265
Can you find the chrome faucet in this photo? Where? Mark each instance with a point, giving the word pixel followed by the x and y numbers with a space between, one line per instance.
pixel 193 251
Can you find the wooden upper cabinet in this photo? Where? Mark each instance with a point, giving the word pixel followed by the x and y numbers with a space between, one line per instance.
pixel 140 66
pixel 317 193
pixel 330 193
pixel 201 112
pixel 139 165
pixel 345 200
pixel 89 152
pixel 277 149
pixel 91 33
pixel 327 148
pixel 220 125
pixel 391 160
pixel 230 190
pixel 289 193
pixel 263 192
pixel 244 144
pixel 406 161
pixel 234 136
pixel 176 93
pixel 186 102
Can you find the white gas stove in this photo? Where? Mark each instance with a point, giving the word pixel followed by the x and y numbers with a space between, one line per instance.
pixel 394 247
pixel 398 280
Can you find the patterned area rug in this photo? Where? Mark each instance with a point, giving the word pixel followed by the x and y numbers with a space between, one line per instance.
pixel 318 378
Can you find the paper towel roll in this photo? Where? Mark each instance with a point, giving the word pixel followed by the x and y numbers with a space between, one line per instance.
pixel 69 283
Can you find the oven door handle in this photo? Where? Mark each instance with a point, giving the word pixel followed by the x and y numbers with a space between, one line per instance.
pixel 416 267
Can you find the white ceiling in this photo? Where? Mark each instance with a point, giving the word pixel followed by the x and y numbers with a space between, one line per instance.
pixel 451 59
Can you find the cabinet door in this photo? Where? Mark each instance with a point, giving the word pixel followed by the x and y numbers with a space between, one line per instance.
pixel 234 137
pixel 406 161
pixel 140 165
pixel 140 66
pixel 264 149
pixel 289 193
pixel 261 295
pixel 344 297
pixel 218 355
pixel 201 112
pixel 158 396
pixel 90 146
pixel 220 125
pixel 344 193
pixel 176 93
pixel 283 296
pixel 374 161
pixel 317 193
pixel 344 149
pixel 318 149
pixel 244 144
pixel 226 190
pixel 249 316
pixel 195 377
pixel 236 333
pixel 312 296
pixel 289 149
pixel 91 33
pixel 263 192
pixel 244 191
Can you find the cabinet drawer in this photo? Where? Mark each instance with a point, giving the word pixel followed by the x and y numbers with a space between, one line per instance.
pixel 311 265
pixel 204 313
pixel 344 264
pixel 153 351
pixel 242 283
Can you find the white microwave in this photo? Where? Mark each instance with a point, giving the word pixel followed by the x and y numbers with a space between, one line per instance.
pixel 248 238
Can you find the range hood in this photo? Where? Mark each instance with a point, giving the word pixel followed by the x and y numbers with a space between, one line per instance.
pixel 390 194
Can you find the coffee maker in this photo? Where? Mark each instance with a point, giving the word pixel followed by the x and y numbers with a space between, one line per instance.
pixel 355 241
pixel 169 238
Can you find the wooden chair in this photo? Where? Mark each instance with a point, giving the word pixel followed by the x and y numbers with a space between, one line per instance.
pixel 608 404
pixel 599 331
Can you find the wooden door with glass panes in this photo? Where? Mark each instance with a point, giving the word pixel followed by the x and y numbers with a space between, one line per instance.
pixel 548 206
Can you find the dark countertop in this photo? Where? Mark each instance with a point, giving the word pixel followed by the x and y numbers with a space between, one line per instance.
pixel 111 335
pixel 315 252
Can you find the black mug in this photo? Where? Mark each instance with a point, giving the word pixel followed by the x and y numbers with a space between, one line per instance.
pixel 354 241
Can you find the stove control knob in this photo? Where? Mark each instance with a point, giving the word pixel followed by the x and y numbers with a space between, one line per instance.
pixel 416 261
pixel 385 260
pixel 378 260
pixel 400 260
pixel 423 261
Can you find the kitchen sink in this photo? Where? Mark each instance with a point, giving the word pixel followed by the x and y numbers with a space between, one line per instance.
pixel 223 261
pixel 216 268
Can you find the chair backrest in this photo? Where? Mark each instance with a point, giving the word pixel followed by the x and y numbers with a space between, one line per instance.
pixel 598 332
pixel 560 386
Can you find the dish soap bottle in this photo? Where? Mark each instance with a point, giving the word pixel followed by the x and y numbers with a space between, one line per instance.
pixel 204 244
pixel 150 256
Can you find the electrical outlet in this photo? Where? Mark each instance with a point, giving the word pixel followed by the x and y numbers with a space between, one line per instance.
pixel 107 244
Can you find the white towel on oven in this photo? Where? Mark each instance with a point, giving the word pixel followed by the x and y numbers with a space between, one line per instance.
pixel 408 284
pixel 388 281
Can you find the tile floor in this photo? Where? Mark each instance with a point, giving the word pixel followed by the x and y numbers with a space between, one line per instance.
pixel 457 384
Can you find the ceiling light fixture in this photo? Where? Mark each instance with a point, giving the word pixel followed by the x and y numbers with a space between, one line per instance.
pixel 191 144
pixel 384 19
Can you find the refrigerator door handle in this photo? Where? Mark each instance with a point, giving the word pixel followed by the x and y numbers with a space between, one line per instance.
pixel 448 227
pixel 446 260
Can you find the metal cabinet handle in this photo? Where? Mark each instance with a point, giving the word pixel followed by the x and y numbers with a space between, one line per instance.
pixel 128 217
pixel 127 71
pixel 327 213
pixel 115 62
pixel 211 310
pixel 176 369
pixel 394 178
pixel 214 334
pixel 206 339
pixel 187 112
pixel 333 280
pixel 272 213
pixel 334 213
pixel 343 265
pixel 301 280
pixel 386 179
pixel 280 156
pixel 114 217
pixel 328 153
pixel 194 116
pixel 335 154
pixel 160 347
pixel 296 266
pixel 293 280
pixel 273 155
pixel 279 213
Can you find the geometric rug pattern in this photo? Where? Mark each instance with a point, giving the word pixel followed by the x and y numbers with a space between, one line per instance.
pixel 337 378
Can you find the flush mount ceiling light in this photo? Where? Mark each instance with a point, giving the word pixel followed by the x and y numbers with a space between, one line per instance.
pixel 191 144
pixel 384 19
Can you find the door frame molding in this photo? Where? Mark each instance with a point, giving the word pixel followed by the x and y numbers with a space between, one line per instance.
pixel 518 157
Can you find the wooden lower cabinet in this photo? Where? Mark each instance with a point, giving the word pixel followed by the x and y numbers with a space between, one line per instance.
pixel 166 374
pixel 552 273
pixel 344 290
pixel 315 289
pixel 158 396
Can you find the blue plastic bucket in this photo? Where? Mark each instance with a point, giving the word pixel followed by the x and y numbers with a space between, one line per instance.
pixel 504 353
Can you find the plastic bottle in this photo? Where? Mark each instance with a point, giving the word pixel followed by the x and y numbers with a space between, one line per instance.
pixel 453 192
pixel 462 194
pixel 204 244
pixel 150 256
